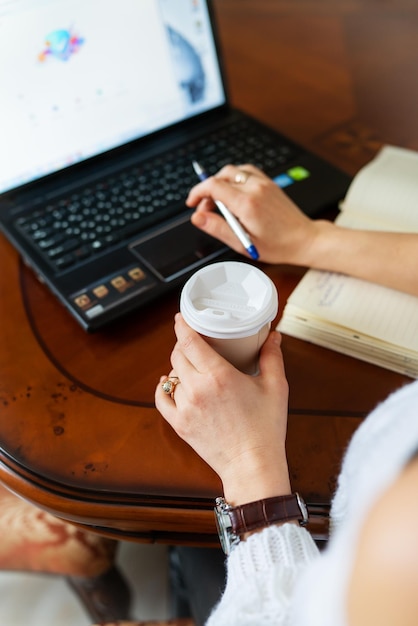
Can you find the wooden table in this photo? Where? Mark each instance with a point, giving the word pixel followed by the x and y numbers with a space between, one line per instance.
pixel 79 435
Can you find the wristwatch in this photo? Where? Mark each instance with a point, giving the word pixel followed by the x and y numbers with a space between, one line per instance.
pixel 234 521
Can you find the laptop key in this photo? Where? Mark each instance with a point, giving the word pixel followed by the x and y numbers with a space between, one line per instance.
pixel 60 250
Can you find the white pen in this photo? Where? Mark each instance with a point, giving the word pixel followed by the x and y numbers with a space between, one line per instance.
pixel 230 218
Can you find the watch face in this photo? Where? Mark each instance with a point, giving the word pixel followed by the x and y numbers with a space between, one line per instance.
pixel 303 509
pixel 222 529
pixel 224 525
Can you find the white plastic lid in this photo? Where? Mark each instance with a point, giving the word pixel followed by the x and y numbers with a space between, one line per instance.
pixel 229 300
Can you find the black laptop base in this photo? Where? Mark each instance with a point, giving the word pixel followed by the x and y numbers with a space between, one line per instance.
pixel 137 252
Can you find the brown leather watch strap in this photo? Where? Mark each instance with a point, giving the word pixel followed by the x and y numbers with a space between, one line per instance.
pixel 266 512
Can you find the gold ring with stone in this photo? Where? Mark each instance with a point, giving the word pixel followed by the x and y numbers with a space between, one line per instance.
pixel 170 384
pixel 241 177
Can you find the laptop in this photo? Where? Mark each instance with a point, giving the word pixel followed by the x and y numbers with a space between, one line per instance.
pixel 104 106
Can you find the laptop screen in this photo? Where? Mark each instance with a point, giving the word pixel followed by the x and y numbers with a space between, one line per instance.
pixel 80 77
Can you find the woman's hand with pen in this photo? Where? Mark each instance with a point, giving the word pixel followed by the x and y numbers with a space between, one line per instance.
pixel 281 233
pixel 277 227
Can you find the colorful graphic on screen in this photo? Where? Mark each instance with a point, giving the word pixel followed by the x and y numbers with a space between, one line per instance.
pixel 61 44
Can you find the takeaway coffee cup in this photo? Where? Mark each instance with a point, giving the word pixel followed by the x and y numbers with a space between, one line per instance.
pixel 232 305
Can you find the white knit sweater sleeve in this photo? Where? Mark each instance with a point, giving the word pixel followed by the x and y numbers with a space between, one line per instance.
pixel 261 574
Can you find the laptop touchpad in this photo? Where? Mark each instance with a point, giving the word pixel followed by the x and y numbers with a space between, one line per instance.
pixel 170 253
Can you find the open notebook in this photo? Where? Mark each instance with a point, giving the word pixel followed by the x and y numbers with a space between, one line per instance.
pixel 353 316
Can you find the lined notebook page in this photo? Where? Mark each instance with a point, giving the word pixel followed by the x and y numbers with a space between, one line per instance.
pixel 385 314
pixel 384 194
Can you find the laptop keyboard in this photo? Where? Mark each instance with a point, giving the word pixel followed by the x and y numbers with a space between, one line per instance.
pixel 115 209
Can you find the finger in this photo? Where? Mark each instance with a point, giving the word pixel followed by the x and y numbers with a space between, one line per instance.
pixel 182 365
pixel 206 205
pixel 228 175
pixel 229 172
pixel 193 352
pixel 216 188
pixel 271 360
pixel 199 193
pixel 164 402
